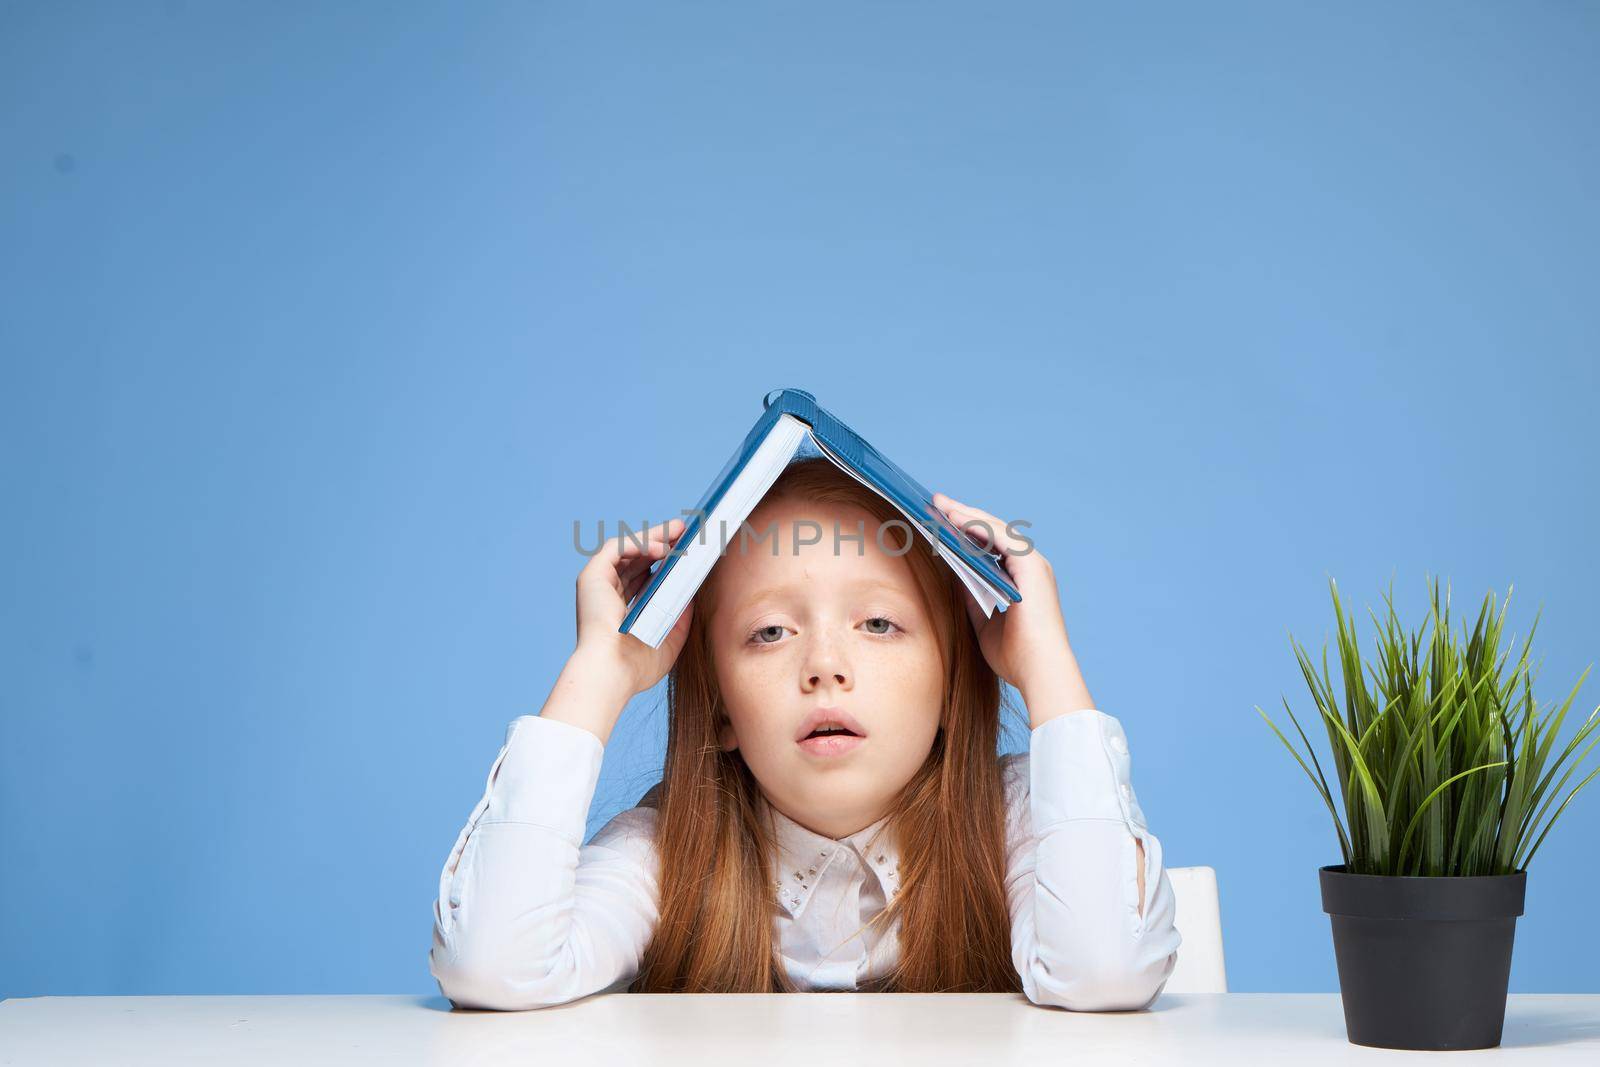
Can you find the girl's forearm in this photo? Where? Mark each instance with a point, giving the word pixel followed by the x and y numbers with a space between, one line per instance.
pixel 588 693
pixel 1055 687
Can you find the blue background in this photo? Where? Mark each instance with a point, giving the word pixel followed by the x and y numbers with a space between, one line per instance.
pixel 323 323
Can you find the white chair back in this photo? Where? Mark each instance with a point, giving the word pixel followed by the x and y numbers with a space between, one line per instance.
pixel 1200 967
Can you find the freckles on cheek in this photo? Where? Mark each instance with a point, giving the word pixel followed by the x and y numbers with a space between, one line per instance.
pixel 747 679
pixel 904 684
pixel 920 681
pixel 760 674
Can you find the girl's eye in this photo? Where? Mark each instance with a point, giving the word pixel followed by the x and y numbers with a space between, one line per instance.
pixel 883 619
pixel 759 637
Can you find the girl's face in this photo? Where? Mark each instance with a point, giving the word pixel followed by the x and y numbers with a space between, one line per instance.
pixel 835 624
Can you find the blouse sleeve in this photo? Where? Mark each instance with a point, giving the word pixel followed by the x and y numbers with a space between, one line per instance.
pixel 1078 938
pixel 527 915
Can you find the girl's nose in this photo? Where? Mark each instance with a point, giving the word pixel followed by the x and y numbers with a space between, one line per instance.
pixel 823 660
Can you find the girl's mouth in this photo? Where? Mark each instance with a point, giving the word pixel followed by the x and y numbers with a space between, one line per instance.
pixel 832 744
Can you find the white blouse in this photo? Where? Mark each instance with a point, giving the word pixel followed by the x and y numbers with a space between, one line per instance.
pixel 528 916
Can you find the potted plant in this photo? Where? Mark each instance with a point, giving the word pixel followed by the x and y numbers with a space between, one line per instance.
pixel 1442 762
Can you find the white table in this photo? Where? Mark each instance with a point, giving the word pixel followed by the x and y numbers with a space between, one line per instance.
pixel 1298 1029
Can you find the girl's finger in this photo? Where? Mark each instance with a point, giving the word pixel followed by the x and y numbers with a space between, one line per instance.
pixel 642 565
pixel 619 570
pixel 632 587
pixel 632 570
pixel 981 526
pixel 602 566
pixel 638 542
pixel 616 560
pixel 633 561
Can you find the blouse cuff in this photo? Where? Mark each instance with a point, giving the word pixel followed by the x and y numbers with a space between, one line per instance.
pixel 546 775
pixel 1079 769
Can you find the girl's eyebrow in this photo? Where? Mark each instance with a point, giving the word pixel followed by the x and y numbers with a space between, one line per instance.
pixel 879 583
pixel 765 592
pixel 855 583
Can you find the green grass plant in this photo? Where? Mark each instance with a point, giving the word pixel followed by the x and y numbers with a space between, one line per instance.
pixel 1443 762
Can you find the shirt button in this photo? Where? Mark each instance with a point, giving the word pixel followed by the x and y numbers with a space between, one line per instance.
pixel 1127 791
pixel 1119 743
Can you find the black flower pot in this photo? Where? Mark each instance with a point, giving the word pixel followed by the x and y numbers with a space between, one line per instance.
pixel 1424 963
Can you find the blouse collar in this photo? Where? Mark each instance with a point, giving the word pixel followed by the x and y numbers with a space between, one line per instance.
pixel 804 856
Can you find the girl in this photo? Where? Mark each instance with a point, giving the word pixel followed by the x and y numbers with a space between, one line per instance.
pixel 909 857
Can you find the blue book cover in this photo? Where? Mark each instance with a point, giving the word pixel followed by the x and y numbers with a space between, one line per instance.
pixel 776 439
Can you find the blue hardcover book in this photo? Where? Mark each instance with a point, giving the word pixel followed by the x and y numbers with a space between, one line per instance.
pixel 792 421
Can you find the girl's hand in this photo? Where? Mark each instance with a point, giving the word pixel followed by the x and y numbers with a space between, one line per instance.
pixel 607 583
pixel 1026 644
